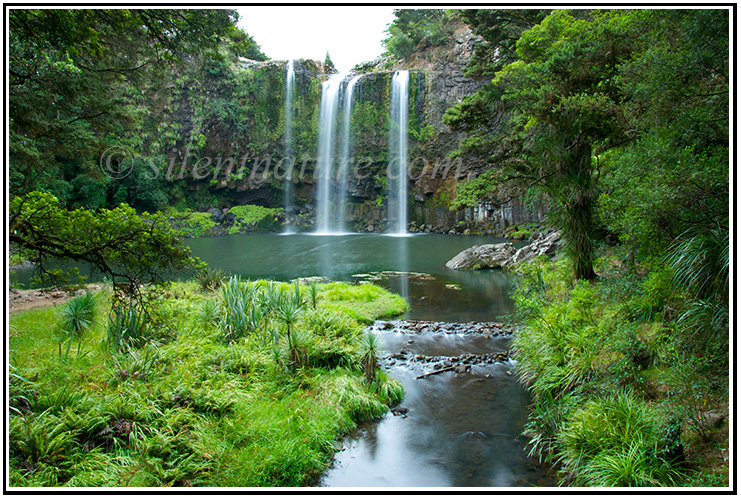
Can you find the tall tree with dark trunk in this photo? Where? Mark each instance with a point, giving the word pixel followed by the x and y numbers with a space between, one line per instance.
pixel 557 112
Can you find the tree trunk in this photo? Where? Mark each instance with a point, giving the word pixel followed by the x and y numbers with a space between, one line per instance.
pixel 579 212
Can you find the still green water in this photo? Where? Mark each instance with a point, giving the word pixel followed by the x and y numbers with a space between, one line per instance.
pixel 412 266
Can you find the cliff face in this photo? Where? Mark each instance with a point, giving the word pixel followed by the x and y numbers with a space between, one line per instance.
pixel 234 115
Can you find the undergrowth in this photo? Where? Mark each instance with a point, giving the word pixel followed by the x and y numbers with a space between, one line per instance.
pixel 626 390
pixel 203 390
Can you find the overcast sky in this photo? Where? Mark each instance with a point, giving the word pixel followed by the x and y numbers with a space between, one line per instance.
pixel 350 34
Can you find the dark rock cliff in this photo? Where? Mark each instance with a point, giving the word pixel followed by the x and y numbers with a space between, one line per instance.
pixel 229 126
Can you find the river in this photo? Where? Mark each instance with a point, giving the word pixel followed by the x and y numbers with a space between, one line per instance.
pixel 456 429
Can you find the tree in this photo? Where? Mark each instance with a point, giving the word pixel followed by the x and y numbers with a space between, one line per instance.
pixel 674 176
pixel 620 118
pixel 416 29
pixel 77 77
pixel 243 45
pixel 557 112
pixel 328 64
pixel 127 248
pixel 500 29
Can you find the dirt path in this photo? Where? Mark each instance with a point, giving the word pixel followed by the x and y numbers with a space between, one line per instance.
pixel 27 299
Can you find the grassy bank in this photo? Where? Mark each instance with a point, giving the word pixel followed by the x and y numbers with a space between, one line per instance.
pixel 245 384
pixel 629 378
pixel 239 219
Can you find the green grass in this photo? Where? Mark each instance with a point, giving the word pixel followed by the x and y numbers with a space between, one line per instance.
pixel 190 409
pixel 364 303
pixel 619 384
pixel 250 213
pixel 190 223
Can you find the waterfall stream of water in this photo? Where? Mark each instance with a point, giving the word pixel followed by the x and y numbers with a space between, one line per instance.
pixel 398 144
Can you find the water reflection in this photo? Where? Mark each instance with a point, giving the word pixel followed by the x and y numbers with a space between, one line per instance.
pixel 462 430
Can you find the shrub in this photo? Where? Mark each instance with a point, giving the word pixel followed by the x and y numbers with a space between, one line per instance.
pixel 210 279
pixel 76 317
pixel 370 350
pixel 617 440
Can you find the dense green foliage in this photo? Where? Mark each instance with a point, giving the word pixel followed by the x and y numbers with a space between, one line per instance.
pixel 622 387
pixel 618 118
pixel 126 247
pixel 186 408
pixel 82 81
pixel 415 29
pixel 500 30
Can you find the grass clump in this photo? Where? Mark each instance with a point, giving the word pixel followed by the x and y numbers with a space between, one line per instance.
pixel 247 385
pixel 621 383
pixel 364 303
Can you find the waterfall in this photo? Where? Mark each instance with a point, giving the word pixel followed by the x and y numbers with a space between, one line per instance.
pixel 397 167
pixel 345 157
pixel 325 159
pixel 288 113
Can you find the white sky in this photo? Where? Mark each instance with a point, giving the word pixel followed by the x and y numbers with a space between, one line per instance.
pixel 351 34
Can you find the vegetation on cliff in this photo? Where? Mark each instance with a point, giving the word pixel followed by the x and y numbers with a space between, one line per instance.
pixel 618 118
pixel 84 80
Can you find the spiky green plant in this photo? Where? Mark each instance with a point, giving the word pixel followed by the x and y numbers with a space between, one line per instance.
pixel 700 265
pixel 288 313
pixel 211 279
pixel 297 297
pixel 313 290
pixel 128 327
pixel 236 300
pixel 76 317
pixel 370 351
pixel 297 344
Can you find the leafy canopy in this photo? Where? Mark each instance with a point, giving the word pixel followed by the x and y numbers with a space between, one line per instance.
pixel 83 80
pixel 126 247
pixel 618 118
pixel 416 29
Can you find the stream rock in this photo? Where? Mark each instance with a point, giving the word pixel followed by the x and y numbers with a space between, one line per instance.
pixel 488 329
pixel 485 256
pixel 504 255
pixel 545 244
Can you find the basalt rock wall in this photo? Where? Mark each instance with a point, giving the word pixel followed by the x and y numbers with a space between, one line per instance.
pixel 229 127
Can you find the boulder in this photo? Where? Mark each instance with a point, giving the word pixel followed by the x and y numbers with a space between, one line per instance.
pixel 216 215
pixel 544 244
pixel 503 255
pixel 485 256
